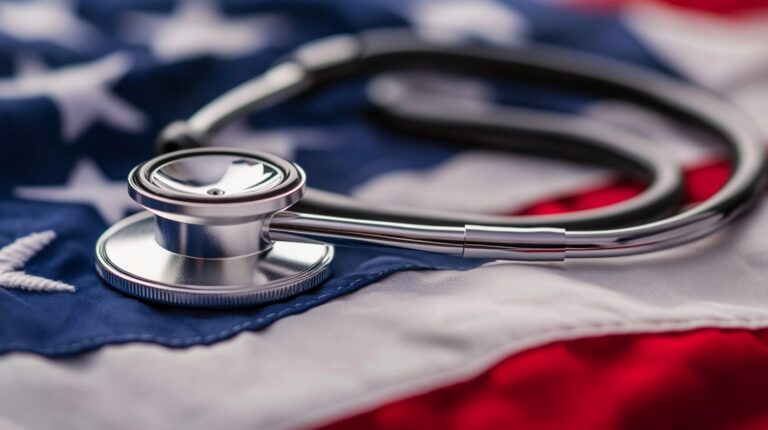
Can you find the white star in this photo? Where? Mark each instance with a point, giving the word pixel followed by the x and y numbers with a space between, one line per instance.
pixel 458 19
pixel 196 28
pixel 14 256
pixel 283 142
pixel 86 184
pixel 49 20
pixel 81 92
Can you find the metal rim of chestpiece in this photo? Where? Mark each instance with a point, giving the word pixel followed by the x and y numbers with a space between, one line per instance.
pixel 199 226
pixel 200 244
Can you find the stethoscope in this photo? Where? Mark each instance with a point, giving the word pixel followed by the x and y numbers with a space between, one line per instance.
pixel 232 227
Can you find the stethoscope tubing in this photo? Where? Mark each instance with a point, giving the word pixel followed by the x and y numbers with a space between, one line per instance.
pixel 520 130
pixel 344 221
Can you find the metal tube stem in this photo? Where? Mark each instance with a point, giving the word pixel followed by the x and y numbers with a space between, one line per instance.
pixel 470 241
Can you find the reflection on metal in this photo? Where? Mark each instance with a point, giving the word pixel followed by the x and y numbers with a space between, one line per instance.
pixel 232 227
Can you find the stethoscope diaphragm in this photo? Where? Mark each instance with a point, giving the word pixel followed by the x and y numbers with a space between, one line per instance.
pixel 201 242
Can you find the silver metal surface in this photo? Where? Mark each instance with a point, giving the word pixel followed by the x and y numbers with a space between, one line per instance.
pixel 212 202
pixel 217 175
pixel 129 259
pixel 216 185
pixel 210 240
pixel 317 228
pixel 470 241
pixel 516 244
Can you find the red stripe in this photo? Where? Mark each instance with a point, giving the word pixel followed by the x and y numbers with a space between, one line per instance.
pixel 701 379
pixel 719 7
pixel 700 183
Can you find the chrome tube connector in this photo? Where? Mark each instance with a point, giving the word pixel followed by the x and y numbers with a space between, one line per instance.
pixel 469 241
pixel 516 244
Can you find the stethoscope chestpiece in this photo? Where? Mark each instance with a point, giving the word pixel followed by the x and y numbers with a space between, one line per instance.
pixel 202 241
pixel 212 202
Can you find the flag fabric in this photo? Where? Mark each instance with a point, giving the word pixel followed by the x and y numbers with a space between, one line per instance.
pixel 394 339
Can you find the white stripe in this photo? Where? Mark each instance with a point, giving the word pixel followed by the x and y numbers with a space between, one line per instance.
pixel 686 143
pixel 409 333
pixel 727 54
pixel 482 181
pixel 713 50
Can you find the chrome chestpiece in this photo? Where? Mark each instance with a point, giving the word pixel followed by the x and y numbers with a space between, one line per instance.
pixel 202 242
pixel 212 203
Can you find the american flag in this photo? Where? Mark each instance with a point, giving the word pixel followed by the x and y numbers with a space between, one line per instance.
pixel 394 339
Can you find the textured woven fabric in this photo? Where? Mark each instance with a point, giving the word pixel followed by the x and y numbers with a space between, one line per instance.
pixel 80 110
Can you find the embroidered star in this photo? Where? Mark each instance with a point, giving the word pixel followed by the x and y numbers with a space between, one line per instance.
pixel 81 92
pixel 87 184
pixel 14 256
pixel 283 143
pixel 52 21
pixel 197 27
pixel 488 20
